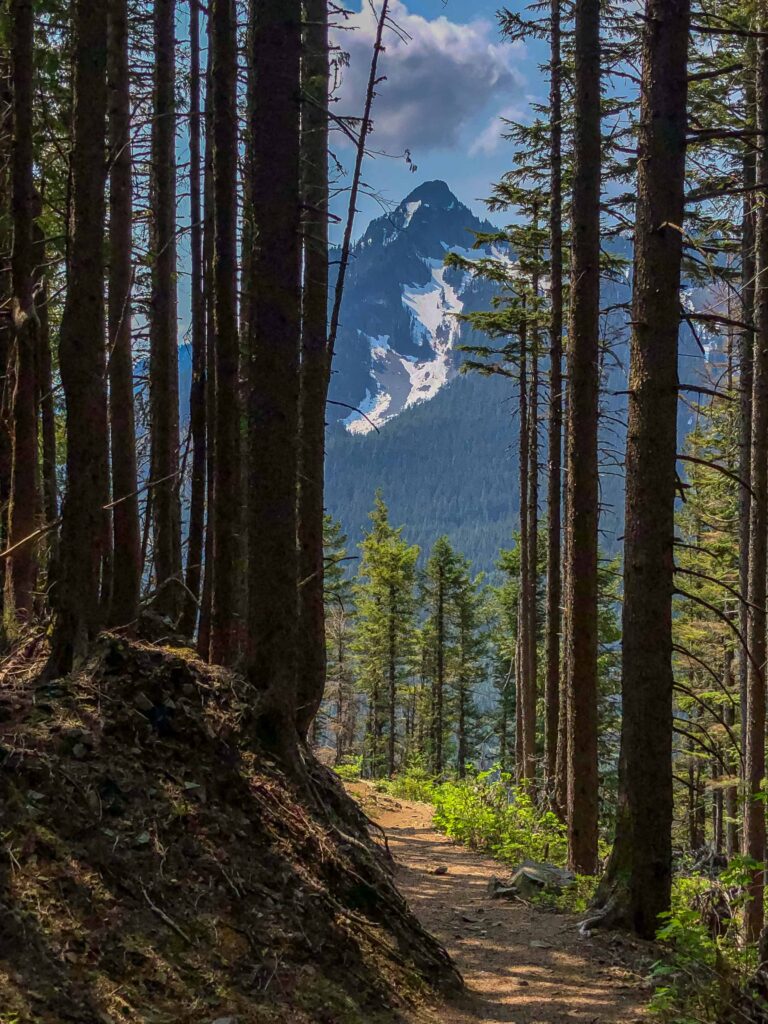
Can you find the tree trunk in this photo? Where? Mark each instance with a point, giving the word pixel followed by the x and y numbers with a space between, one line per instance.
pixel 524 753
pixel 197 418
pixel 438 725
pixel 562 762
pixel 6 321
pixel 392 683
pixel 163 356
pixel 204 632
pixel 637 884
pixel 23 508
pixel 273 392
pixel 315 364
pixel 555 432
pixel 754 729
pixel 746 349
pixel 126 538
pixel 531 631
pixel 226 467
pixel 82 353
pixel 46 403
pixel 584 379
pixel 730 809
pixel 461 728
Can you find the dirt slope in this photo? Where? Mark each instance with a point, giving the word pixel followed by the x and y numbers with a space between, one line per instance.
pixel 156 867
pixel 521 964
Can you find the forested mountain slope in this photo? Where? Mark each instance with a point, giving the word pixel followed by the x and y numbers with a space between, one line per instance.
pixel 446 454
pixel 446 466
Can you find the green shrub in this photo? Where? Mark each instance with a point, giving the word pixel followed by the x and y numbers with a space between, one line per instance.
pixel 703 973
pixel 350 769
pixel 414 784
pixel 488 813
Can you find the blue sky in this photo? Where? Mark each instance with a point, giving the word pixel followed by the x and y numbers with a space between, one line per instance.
pixel 446 89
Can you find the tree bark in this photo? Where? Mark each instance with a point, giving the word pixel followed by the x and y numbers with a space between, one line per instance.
pixel 637 884
pixel 46 405
pixel 746 349
pixel 197 417
pixel 438 725
pixel 754 730
pixel 24 497
pixel 6 321
pixel 82 353
pixel 163 356
pixel 273 388
pixel 226 466
pixel 204 632
pixel 584 379
pixel 562 768
pixel 392 682
pixel 315 362
pixel 524 748
pixel 531 632
pixel 730 808
pixel 126 536
pixel 555 426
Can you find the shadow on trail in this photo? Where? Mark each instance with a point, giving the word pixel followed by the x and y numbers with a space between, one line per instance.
pixel 521 963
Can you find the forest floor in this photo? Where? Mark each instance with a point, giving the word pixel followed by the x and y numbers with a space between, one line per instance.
pixel 521 963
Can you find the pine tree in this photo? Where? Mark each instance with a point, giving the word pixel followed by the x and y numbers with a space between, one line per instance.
pixel 273 370
pixel 754 732
pixel 581 446
pixel 340 702
pixel 441 579
pixel 126 541
pixel 82 354
pixel 636 886
pixel 163 358
pixel 197 393
pixel 24 499
pixel 385 634
pixel 469 657
pixel 226 483
pixel 315 358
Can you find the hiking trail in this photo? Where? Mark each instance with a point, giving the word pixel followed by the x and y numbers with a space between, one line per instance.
pixel 522 964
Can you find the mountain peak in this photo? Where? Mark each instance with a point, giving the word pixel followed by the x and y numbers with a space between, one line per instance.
pixel 433 193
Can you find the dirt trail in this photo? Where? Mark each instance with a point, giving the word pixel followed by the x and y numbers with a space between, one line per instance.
pixel 521 964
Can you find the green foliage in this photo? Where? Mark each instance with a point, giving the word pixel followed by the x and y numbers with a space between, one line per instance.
pixel 350 769
pixel 415 783
pixel 488 813
pixel 706 968
pixel 385 643
pixel 575 898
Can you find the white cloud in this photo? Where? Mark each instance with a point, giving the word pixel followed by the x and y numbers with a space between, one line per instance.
pixel 490 138
pixel 438 79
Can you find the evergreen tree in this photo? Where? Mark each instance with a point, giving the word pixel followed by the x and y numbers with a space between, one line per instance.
pixel 273 366
pixel 637 885
pixel 469 657
pixel 340 696
pixel 385 634
pixel 226 605
pixel 441 580
pixel 78 596
pixel 164 358
pixel 23 505
pixel 126 564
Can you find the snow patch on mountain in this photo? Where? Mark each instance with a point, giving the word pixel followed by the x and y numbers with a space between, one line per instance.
pixel 400 321
pixel 403 381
